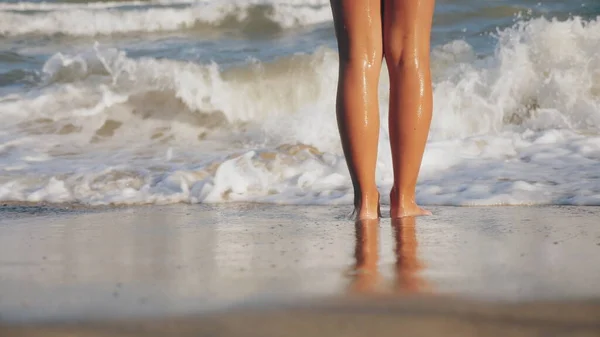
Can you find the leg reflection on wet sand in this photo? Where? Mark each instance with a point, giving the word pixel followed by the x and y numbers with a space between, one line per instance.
pixel 366 277
pixel 366 273
pixel 408 264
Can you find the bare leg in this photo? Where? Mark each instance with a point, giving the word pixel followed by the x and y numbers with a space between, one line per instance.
pixel 406 39
pixel 359 34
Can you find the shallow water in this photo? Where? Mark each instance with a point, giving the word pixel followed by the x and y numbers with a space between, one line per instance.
pixel 210 101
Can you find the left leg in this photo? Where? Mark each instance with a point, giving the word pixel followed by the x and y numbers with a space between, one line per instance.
pixel 358 27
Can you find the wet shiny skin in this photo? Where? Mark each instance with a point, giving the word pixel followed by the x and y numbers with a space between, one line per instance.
pixel 367 33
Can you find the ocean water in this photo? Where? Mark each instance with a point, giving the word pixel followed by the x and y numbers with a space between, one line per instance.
pixel 169 101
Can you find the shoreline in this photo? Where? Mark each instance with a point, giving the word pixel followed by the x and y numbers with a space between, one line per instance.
pixel 43 207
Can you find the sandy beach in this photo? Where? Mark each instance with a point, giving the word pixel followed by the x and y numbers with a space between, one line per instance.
pixel 297 270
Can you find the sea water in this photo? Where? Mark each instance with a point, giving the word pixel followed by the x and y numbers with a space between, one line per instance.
pixel 168 101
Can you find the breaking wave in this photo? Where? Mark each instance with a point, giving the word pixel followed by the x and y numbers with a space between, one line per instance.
pixel 93 19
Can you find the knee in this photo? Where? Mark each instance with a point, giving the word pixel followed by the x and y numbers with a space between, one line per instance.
pixel 405 52
pixel 364 54
pixel 393 51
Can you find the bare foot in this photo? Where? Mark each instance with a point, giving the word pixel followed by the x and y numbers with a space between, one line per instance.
pixel 404 208
pixel 367 208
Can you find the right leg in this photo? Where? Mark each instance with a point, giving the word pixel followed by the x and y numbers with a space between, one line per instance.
pixel 359 36
pixel 408 264
pixel 406 39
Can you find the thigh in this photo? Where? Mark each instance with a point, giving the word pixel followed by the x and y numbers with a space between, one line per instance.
pixel 358 28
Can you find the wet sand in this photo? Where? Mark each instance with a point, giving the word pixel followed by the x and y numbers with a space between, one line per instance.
pixel 268 270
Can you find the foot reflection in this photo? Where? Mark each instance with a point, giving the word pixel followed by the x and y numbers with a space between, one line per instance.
pixel 408 265
pixel 366 277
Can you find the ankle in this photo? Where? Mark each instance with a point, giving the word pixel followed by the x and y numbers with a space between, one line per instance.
pixel 368 197
pixel 402 196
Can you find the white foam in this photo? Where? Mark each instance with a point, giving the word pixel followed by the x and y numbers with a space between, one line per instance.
pixel 517 127
pixel 91 19
pixel 552 65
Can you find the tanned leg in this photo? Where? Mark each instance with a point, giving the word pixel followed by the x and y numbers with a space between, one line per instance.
pixel 406 45
pixel 358 28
